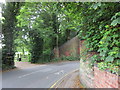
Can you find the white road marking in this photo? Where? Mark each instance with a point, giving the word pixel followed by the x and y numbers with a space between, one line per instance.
pixel 57 73
pixel 43 70
pixel 46 70
pixel 46 77
pixel 28 74
pixel 62 71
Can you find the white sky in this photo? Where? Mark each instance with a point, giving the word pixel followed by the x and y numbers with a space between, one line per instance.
pixel 2 1
pixel 0 12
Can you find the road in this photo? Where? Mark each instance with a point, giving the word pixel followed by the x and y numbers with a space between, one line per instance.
pixel 42 76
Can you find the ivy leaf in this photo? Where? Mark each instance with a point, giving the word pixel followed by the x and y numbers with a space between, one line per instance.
pixel 117 55
pixel 109 59
pixel 107 26
pixel 96 5
pixel 102 54
pixel 115 22
pixel 117 14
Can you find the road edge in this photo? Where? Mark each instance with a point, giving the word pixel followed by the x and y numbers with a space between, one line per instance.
pixel 57 84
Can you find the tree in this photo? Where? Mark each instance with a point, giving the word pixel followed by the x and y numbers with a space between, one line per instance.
pixel 42 24
pixel 10 11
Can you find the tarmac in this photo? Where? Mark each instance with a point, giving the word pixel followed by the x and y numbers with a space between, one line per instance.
pixel 70 80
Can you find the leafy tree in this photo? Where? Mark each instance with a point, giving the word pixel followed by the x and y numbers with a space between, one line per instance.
pixel 44 21
pixel 43 26
pixel 10 11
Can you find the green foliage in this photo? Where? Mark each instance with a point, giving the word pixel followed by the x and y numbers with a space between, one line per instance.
pixel 47 21
pixel 65 58
pixel 56 59
pixel 10 11
pixel 109 46
pixel 69 58
pixel 42 26
pixel 116 19
pixel 95 58
pixel 109 67
pixel 38 29
pixel 7 67
pixel 46 56
pixel 92 29
pixel 24 58
pixel 100 27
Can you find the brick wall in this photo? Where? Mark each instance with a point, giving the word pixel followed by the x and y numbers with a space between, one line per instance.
pixel 85 71
pixel 92 77
pixel 70 48
pixel 104 79
pixel 86 74
pixel 95 78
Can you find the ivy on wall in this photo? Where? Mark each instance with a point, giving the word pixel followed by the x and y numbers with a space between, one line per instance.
pixel 102 34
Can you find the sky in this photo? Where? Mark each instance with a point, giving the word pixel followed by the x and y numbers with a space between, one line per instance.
pixel 0 12
pixel 1 1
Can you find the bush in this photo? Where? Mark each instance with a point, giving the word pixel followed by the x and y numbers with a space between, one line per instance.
pixel 70 58
pixel 6 67
pixel 111 67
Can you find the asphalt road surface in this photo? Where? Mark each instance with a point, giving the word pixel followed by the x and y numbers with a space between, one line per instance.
pixel 42 76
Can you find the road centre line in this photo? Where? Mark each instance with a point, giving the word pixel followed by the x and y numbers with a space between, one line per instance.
pixel 34 72
pixel 29 74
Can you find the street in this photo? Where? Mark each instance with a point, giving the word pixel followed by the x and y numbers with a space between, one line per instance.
pixel 42 76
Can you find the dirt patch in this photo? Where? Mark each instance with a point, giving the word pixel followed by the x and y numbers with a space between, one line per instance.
pixel 60 61
pixel 22 65
pixel 70 81
pixel 77 83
